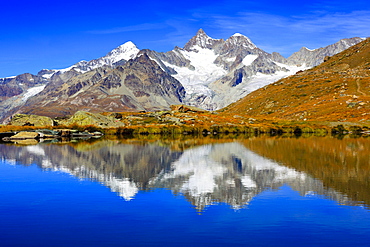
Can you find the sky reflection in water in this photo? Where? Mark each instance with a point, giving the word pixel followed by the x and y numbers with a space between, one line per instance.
pixel 216 194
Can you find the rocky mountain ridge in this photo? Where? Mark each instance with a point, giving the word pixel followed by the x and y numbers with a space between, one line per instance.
pixel 315 57
pixel 138 85
pixel 212 72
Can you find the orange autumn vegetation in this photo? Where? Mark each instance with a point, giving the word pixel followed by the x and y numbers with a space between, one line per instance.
pixel 338 90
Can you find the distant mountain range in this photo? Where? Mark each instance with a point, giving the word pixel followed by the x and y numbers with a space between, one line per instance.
pixel 207 73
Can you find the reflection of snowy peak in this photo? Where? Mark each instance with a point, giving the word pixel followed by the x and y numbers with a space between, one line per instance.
pixel 228 173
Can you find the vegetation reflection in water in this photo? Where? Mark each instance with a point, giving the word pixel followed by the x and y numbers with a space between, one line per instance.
pixel 208 171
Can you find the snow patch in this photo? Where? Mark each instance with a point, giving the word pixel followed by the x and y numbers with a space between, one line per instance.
pixel 230 59
pixel 260 80
pixel 48 76
pixel 205 71
pixel 32 92
pixel 249 59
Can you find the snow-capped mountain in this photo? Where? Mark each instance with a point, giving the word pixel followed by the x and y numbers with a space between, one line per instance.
pixel 117 56
pixel 217 72
pixel 15 91
pixel 138 85
pixel 212 72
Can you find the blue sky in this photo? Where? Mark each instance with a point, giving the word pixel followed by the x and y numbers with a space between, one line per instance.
pixel 55 34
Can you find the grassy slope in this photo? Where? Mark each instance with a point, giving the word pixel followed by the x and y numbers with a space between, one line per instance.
pixel 338 90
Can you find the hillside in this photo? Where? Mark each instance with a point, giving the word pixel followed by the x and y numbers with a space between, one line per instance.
pixel 138 85
pixel 336 90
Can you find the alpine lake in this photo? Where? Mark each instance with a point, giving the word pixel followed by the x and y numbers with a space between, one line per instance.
pixel 186 191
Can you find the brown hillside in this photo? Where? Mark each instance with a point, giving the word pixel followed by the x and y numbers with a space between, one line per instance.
pixel 336 90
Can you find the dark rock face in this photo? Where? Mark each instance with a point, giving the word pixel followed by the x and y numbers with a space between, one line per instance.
pixel 112 81
pixel 144 74
pixel 9 91
pixel 10 87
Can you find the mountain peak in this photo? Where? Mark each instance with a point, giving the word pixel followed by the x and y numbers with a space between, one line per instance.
pixel 240 39
pixel 237 35
pixel 202 40
pixel 201 32
pixel 125 51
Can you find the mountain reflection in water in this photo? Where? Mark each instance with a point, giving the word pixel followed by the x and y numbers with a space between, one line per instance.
pixel 206 174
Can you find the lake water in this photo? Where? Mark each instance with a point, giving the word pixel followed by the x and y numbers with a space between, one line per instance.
pixel 260 191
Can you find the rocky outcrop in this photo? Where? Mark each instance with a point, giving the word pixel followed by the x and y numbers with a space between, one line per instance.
pixel 31 120
pixel 87 118
pixel 25 135
pixel 186 108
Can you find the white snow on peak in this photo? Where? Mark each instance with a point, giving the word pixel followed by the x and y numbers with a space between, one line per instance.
pixel 32 92
pixel 240 39
pixel 237 34
pixel 249 59
pixel 309 49
pixel 126 51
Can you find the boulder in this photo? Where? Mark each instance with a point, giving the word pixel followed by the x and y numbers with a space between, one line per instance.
pixel 87 118
pixel 25 135
pixel 186 108
pixel 31 120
